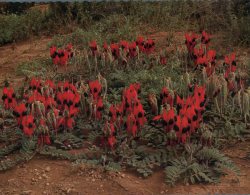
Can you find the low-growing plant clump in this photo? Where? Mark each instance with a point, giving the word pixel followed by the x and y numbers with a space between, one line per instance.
pixel 131 106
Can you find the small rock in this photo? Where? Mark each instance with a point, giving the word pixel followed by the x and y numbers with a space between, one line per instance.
pixel 33 179
pixel 93 180
pixel 122 175
pixel 26 192
pixel 47 169
pixel 39 177
pixel 47 184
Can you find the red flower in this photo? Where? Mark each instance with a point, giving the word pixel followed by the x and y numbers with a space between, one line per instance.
pixel 140 43
pixel 132 50
pixel 139 113
pixel 115 50
pixel 168 119
pixel 49 103
pixel 20 111
pixel 35 84
pixel 202 61
pixel 28 125
pixel 66 122
pixel 179 104
pixel 69 49
pixel 166 97
pixel 53 51
pixel 124 45
pixel 190 42
pixel 211 56
pixel 63 56
pixel 9 98
pixel 205 38
pixel 131 124
pixel 95 89
pixel 230 59
pixel 50 84
pixel 185 129
pixel 149 46
pixel 93 47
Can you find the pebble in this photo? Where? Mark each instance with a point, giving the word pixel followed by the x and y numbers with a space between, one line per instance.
pixel 47 169
pixel 26 192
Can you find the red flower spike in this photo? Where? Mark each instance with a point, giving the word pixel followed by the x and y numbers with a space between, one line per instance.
pixel 95 89
pixel 27 125
pixel 20 111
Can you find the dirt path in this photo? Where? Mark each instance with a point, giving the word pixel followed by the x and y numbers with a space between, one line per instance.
pixel 13 54
pixel 44 176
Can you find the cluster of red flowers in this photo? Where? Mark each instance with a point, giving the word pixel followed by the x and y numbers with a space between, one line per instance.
pixel 129 112
pixel 9 98
pixel 44 107
pixel 201 58
pixel 207 59
pixel 61 56
pixel 129 48
pixel 185 118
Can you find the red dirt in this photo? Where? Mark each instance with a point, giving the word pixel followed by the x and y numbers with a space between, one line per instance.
pixel 45 176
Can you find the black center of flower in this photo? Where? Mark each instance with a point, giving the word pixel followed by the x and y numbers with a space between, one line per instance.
pixel 186 129
pixel 140 114
pixel 4 97
pixel 30 125
pixel 100 108
pixel 171 121
pixel 24 113
pixel 95 90
pixel 9 100
pixel 176 128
